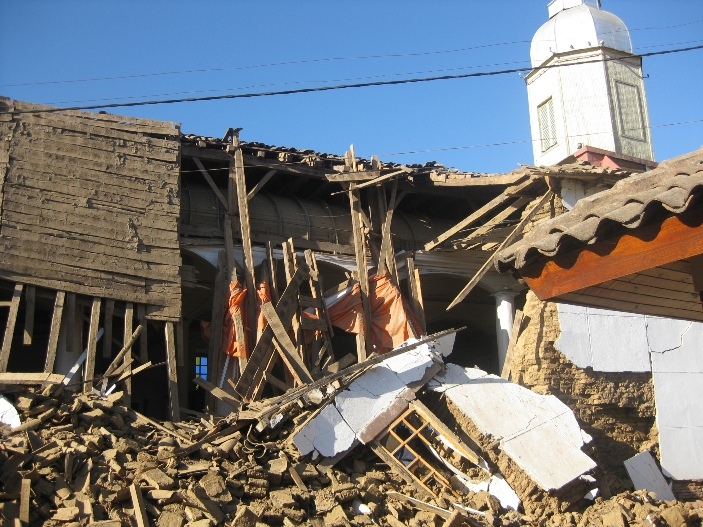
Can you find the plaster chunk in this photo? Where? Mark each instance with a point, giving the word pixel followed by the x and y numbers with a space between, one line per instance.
pixel 327 433
pixel 538 432
pixel 645 475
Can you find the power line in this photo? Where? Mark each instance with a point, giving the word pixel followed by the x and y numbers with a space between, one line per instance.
pixel 312 61
pixel 343 86
pixel 522 141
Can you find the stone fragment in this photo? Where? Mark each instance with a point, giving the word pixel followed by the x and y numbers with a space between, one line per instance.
pixel 245 517
pixel 282 498
pixel 156 477
pixel 170 519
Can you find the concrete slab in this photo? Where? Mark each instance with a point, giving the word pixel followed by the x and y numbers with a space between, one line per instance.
pixel 538 432
pixel 368 405
pixel 645 474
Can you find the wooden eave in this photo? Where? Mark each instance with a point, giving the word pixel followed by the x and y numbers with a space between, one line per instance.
pixel 646 270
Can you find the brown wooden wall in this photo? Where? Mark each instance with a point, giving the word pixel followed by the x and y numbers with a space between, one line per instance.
pixel 90 205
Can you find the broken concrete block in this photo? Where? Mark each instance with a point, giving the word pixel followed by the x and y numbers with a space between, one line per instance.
pixel 170 519
pixel 282 499
pixel 245 517
pixel 645 474
pixel 538 432
pixel 156 477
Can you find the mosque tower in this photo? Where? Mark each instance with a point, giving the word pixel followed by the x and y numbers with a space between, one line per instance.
pixel 586 92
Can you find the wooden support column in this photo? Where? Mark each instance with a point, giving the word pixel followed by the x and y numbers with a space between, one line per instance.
pixel 363 340
pixel 92 344
pixel 387 262
pixel 236 175
pixel 128 323
pixel 273 268
pixel 54 332
pixel 172 372
pixel 10 327
pixel 290 264
pixel 30 303
pixel 107 341
pixel 182 338
pixel 415 293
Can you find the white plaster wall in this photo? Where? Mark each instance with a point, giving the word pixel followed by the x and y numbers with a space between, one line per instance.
pixel 677 369
pixel 614 341
pixel 540 86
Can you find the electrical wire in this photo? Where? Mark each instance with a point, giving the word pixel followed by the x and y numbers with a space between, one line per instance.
pixel 344 86
pixel 312 61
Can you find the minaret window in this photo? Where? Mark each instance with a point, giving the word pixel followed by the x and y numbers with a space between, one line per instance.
pixel 547 126
pixel 630 110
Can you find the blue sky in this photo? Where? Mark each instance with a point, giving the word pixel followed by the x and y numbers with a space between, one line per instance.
pixel 46 41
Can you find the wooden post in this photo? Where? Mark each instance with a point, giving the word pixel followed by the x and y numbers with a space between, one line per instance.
pixel 415 290
pixel 70 321
pixel 10 327
pixel 386 259
pixel 182 342
pixel 128 323
pixel 107 341
pixel 138 506
pixel 273 278
pixel 30 302
pixel 363 340
pixel 243 210
pixel 92 344
pixel 172 372
pixel 54 332
pixel 290 263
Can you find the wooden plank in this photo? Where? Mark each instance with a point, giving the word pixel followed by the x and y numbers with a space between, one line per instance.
pixel 276 382
pixel 10 327
pixel 514 334
pixel 25 494
pixel 385 177
pixel 384 261
pixel 498 218
pixel 676 238
pixel 210 182
pixel 30 378
pixel 143 341
pixel 513 236
pixel 253 373
pixel 109 313
pixel 478 214
pixel 287 348
pixel 229 249
pixel 354 177
pixel 363 339
pixel 138 503
pixel 54 332
pixel 290 263
pixel 245 228
pixel 30 303
pixel 261 183
pixel 122 354
pixel 291 168
pixel 273 275
pixel 219 393
pixel 415 287
pixel 172 373
pixel 93 329
pixel 128 322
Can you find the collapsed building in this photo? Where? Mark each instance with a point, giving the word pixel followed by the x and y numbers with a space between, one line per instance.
pixel 230 320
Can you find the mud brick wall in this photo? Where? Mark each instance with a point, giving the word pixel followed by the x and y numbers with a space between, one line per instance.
pixel 90 205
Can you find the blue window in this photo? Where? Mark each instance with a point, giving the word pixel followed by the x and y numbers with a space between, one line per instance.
pixel 201 366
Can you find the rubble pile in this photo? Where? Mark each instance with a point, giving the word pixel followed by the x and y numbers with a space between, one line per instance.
pixel 90 460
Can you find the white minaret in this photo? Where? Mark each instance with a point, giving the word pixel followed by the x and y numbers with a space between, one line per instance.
pixel 586 88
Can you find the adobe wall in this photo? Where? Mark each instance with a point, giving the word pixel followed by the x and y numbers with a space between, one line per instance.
pixel 616 409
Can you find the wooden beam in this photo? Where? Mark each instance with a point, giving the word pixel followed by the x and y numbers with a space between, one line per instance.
pixel 415 289
pixel 54 332
pixel 498 218
pixel 107 341
pixel 30 378
pixel 654 245
pixel 287 349
pixel 273 277
pixel 513 236
pixel 380 179
pixel 220 295
pixel 353 177
pixel 123 352
pixel 10 327
pixel 171 364
pixel 92 344
pixel 261 183
pixel 30 303
pixel 128 322
pixel 249 382
pixel 138 505
pixel 25 494
pixel 210 182
pixel 507 194
pixel 243 206
pixel 218 393
pixel 363 339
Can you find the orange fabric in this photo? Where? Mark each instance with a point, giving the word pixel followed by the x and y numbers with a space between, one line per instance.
pixel 390 313
pixel 235 306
